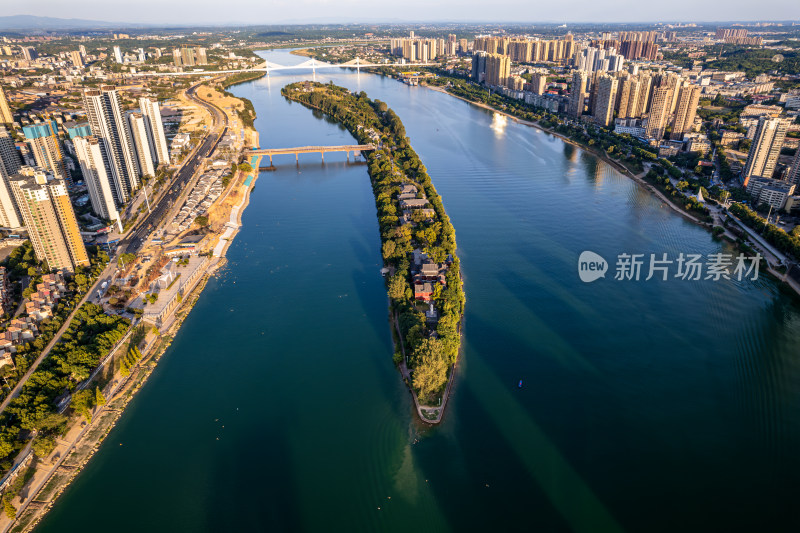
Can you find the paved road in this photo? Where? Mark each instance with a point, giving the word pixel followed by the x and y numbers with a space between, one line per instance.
pixel 137 236
pixel 109 270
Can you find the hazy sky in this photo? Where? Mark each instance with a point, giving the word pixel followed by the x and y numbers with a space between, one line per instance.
pixel 277 11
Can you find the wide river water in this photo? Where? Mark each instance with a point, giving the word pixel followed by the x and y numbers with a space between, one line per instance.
pixel 646 406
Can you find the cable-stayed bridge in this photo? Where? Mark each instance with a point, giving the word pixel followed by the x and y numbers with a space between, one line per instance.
pixel 311 64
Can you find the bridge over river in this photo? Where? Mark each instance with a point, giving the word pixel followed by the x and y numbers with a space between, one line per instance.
pixel 322 150
pixel 311 64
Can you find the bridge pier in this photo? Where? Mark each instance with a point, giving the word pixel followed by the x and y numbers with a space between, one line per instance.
pixel 297 157
pixel 323 156
pixel 270 159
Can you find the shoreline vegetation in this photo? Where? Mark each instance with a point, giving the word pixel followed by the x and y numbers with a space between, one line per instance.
pixel 418 245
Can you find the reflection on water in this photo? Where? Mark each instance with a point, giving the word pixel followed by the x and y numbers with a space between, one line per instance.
pixel 499 123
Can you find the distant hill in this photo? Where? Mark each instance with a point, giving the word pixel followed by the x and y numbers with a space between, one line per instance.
pixel 31 22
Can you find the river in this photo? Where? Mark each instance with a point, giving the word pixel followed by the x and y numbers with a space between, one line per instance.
pixel 646 405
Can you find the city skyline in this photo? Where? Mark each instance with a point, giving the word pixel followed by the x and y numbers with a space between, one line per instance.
pixel 185 13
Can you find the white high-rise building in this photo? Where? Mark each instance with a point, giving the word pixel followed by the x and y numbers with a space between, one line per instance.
pixel 144 153
pixel 98 182
pixel 10 216
pixel 794 171
pixel 155 128
pixel 117 54
pixel 109 125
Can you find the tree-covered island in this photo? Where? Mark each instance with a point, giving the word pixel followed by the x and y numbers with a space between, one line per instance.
pixel 418 243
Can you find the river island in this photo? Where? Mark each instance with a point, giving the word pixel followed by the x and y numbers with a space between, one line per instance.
pixel 418 244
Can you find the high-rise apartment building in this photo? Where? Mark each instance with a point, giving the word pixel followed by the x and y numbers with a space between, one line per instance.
pixel 577 94
pixel 765 148
pixel 479 66
pixel 627 97
pixel 117 54
pixel 48 216
pixel 660 103
pixel 9 157
pixel 5 112
pixel 539 82
pixel 498 69
pixel 155 130
pixel 200 56
pixel 525 50
pixel 606 97
pixel 794 170
pixel 95 175
pixel 593 59
pixel 187 57
pixel 29 53
pixel 645 91
pixel 141 144
pixel 685 112
pixel 9 165
pixel 108 124
pixel 520 50
pixel 46 148
pixel 76 58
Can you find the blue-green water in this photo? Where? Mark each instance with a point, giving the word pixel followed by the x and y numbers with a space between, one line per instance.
pixel 647 406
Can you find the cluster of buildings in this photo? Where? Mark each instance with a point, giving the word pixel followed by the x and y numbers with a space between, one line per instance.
pixel 189 57
pixel 737 36
pixel 642 104
pixel 426 275
pixel 527 50
pixel 416 49
pixel 35 199
pixel 205 192
pixel 617 81
pixel 761 177
pixel 114 150
pixel 632 45
pixel 40 306
pixel 410 203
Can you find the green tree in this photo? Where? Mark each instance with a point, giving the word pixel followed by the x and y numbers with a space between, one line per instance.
pixel 11 511
pixel 388 249
pixel 6 445
pixel 82 402
pixel 125 260
pixel 99 398
pixel 397 286
pixel 245 167
pixel 201 221
pixel 430 372
pixel 44 445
